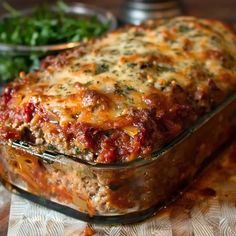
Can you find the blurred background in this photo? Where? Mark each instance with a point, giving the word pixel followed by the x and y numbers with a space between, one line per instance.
pixel 220 9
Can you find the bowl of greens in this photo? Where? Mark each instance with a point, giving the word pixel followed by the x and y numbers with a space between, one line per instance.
pixel 29 35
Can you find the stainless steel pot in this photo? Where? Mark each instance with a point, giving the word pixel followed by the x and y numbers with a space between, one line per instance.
pixel 137 11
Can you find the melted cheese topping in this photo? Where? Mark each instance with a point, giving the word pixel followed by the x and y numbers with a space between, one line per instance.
pixel 103 80
pixel 128 64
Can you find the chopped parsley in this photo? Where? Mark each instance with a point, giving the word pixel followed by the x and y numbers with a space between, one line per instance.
pixel 42 27
pixel 184 29
pixel 164 68
pixel 123 90
pixel 131 64
pixel 78 151
pixel 47 27
pixel 101 68
pixel 129 88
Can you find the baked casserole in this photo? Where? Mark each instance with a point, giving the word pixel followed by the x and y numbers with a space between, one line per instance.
pixel 116 100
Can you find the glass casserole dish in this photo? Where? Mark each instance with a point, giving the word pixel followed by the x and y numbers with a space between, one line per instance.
pixel 144 106
pixel 134 190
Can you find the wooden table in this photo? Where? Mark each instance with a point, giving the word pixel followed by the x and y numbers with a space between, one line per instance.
pixel 220 9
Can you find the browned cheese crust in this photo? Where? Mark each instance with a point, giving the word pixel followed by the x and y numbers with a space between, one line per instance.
pixel 122 96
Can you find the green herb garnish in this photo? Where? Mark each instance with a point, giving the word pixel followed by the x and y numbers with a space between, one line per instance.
pixel 101 68
pixel 123 90
pixel 184 29
pixel 78 151
pixel 46 27
pixel 43 27
pixel 164 68
pixel 131 64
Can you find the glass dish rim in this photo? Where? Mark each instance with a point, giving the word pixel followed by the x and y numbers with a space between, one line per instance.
pixel 76 8
pixel 140 161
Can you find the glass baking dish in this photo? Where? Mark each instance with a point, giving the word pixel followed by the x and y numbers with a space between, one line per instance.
pixel 116 193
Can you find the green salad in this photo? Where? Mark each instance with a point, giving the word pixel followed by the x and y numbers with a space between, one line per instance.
pixel 41 27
